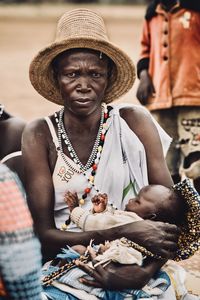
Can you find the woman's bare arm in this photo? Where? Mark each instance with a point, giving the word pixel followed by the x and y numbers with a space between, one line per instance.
pixel 37 149
pixel 140 122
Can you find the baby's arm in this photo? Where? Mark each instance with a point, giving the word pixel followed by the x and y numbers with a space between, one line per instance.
pixel 99 203
pixel 72 200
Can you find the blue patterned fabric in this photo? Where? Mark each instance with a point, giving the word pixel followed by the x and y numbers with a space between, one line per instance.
pixel 155 287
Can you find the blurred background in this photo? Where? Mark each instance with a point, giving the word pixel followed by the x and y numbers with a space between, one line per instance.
pixel 27 26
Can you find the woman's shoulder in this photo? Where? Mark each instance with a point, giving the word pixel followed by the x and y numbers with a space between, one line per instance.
pixel 129 109
pixel 141 122
pixel 133 110
pixel 37 129
pixel 136 116
pixel 37 124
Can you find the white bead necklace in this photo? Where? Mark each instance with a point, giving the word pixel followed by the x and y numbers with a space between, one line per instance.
pixel 93 160
pixel 62 135
pixel 76 170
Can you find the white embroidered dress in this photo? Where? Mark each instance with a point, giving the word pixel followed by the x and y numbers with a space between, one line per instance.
pixel 121 172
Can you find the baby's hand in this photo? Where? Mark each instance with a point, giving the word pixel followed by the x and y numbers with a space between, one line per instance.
pixel 99 203
pixel 72 200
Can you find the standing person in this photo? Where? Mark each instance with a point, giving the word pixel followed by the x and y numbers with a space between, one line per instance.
pixel 11 129
pixel 169 86
pixel 89 146
pixel 20 253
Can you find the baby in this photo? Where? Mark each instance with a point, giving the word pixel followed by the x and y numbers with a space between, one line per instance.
pixel 153 202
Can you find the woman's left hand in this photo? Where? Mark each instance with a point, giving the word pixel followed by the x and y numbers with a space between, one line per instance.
pixel 114 276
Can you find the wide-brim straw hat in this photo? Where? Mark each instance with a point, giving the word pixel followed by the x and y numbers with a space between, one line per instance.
pixel 81 28
pixel 189 240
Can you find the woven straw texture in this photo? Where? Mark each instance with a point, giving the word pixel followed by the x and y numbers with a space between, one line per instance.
pixel 81 28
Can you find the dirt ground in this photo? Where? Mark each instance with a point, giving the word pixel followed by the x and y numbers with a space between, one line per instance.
pixel 24 30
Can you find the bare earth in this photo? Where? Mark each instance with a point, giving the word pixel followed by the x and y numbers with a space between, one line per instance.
pixel 24 30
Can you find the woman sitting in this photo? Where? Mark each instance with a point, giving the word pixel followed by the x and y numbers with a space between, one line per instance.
pixel 91 147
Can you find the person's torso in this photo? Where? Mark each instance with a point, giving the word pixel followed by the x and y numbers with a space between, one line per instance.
pixel 67 176
pixel 174 58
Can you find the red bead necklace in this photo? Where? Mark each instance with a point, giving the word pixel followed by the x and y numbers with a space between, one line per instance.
pixel 94 165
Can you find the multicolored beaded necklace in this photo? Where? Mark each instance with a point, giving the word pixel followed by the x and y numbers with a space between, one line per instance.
pixel 95 155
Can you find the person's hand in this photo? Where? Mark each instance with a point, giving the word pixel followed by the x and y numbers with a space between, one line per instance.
pixel 158 237
pixel 146 88
pixel 99 202
pixel 114 276
pixel 72 200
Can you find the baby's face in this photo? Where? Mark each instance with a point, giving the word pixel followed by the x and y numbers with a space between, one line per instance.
pixel 147 201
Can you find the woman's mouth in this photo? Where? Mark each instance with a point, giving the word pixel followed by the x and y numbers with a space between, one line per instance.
pixel 83 101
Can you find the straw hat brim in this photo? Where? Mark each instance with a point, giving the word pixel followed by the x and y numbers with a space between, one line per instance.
pixel 42 77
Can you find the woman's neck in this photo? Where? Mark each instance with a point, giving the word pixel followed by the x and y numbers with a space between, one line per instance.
pixel 81 124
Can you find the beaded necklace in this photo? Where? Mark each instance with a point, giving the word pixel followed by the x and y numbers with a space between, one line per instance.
pixel 70 148
pixel 1 109
pixel 95 155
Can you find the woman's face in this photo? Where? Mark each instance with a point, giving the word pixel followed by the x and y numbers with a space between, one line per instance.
pixel 82 79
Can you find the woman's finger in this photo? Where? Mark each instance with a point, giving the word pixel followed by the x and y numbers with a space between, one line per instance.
pixel 170 246
pixel 90 271
pixel 166 254
pixel 173 229
pixel 91 252
pixel 90 282
pixel 96 273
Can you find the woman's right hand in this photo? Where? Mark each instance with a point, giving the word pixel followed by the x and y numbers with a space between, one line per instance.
pixel 71 199
pixel 146 88
pixel 158 237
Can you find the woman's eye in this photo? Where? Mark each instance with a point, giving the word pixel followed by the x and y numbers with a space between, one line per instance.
pixel 71 75
pixel 96 75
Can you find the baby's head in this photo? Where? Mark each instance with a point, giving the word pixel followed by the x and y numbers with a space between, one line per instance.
pixel 178 205
pixel 158 203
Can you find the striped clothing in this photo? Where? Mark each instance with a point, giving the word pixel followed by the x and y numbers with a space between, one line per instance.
pixel 20 254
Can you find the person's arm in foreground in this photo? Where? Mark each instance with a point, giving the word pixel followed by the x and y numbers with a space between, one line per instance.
pixel 20 255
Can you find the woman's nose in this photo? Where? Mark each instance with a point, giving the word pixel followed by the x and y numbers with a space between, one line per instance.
pixel 83 84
